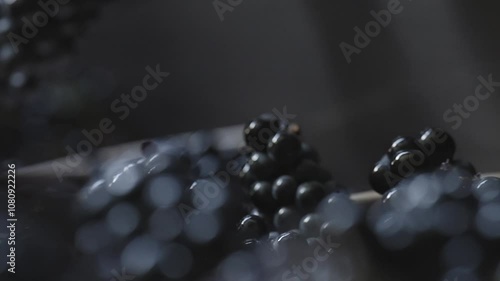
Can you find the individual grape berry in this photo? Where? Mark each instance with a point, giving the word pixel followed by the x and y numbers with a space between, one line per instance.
pixel 309 194
pixel 286 218
pixel 262 198
pixel 310 225
pixel 486 189
pixel 258 167
pixel 284 190
pixel 285 149
pixel 464 165
pixel 308 170
pixel 328 229
pixel 252 227
pixel 259 131
pixel 438 145
pixel 401 143
pixel 291 244
pixel 339 210
pixel 381 178
pixel 407 162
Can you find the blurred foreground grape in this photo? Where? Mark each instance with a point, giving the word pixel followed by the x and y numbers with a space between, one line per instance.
pixel 186 210
pixel 436 205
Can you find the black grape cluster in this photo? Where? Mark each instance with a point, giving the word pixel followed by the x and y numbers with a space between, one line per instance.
pixel 408 156
pixel 432 202
pixel 296 207
pixel 160 216
pixel 281 175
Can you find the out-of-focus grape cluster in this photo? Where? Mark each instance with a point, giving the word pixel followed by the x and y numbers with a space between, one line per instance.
pixel 435 203
pixel 187 210
pixel 169 214
pixel 36 41
pixel 24 21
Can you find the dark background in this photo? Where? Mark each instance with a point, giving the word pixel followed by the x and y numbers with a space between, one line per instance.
pixel 272 54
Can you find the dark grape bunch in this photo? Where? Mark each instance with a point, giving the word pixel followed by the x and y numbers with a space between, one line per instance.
pixel 408 156
pixel 443 209
pixel 295 205
pixel 158 216
pixel 282 174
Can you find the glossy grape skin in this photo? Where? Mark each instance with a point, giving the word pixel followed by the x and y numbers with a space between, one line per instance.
pixel 437 145
pixel 309 194
pixel 259 131
pixel 252 227
pixel 406 163
pixel 310 225
pixel 261 196
pixel 338 237
pixel 284 190
pixel 285 149
pixel 258 167
pixel 487 189
pixel 381 178
pixel 286 218
pixel 328 229
pixel 291 244
pixel 251 244
pixel 401 143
